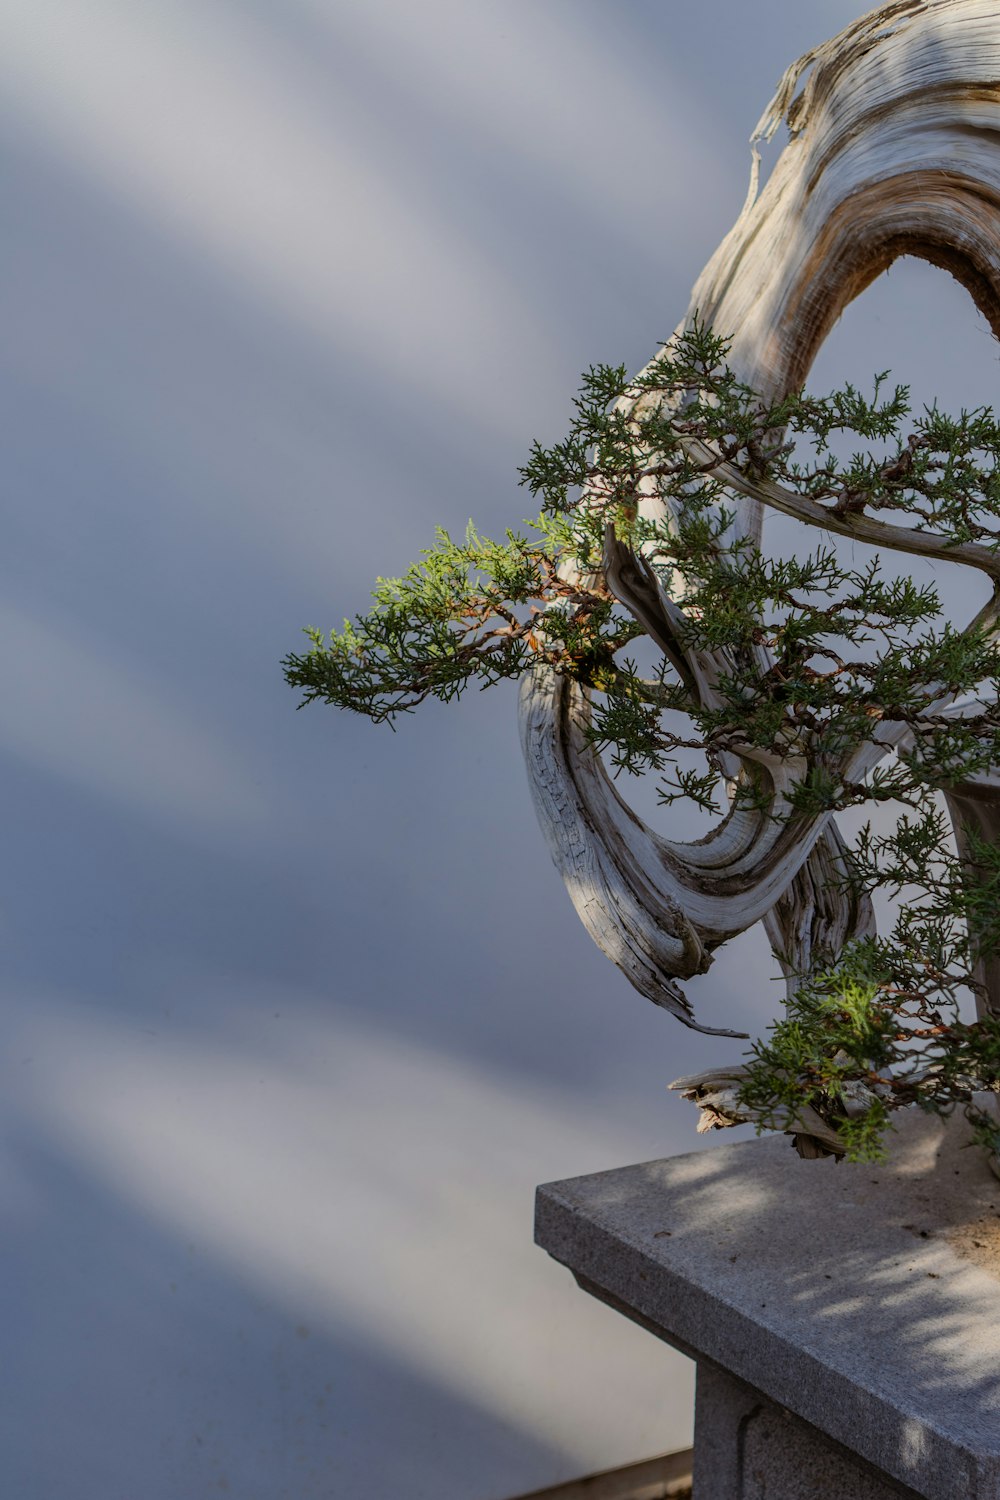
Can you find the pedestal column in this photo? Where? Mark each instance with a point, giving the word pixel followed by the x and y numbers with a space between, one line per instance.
pixel 845 1319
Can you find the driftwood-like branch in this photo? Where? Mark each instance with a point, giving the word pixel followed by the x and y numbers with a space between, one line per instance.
pixel 892 152
pixel 716 1093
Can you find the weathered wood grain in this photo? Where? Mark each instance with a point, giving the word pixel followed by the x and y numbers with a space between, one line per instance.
pixel 894 149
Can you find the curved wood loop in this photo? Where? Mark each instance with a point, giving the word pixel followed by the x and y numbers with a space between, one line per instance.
pixel 893 151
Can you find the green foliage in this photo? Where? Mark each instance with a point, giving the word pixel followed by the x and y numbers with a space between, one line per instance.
pixel 879 1027
pixel 812 657
pixel 450 620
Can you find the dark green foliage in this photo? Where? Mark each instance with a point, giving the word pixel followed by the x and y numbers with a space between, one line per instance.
pixel 813 656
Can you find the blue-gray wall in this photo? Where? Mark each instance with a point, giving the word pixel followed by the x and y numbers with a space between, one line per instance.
pixel 296 1012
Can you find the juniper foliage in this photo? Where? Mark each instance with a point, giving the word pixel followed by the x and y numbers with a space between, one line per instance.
pixel 816 656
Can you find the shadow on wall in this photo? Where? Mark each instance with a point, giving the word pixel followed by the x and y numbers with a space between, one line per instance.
pixel 148 1359
pixel 297 1015
pixel 220 1206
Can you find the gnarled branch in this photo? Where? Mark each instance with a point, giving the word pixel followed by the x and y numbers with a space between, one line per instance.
pixel 893 152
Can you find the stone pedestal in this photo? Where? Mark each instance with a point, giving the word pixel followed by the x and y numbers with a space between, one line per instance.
pixel 748 1448
pixel 845 1319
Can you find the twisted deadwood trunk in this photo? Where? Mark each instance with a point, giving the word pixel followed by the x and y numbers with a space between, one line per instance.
pixel 893 150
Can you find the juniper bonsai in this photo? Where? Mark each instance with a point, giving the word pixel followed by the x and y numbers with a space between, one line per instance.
pixel 788 689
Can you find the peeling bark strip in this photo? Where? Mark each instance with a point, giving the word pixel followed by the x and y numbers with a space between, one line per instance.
pixel 893 151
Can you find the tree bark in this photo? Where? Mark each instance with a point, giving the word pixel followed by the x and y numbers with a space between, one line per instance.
pixel 893 129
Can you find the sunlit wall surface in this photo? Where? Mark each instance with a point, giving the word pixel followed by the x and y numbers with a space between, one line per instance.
pixel 296 1012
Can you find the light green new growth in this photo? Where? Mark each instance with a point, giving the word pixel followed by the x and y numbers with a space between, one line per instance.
pixel 816 654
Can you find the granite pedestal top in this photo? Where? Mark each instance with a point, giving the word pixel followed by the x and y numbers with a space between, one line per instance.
pixel 863 1299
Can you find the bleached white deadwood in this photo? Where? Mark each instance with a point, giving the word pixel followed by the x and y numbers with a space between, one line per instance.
pixel 716 1093
pixel 893 127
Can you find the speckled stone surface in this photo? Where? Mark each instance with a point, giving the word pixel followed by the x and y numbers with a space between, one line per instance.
pixel 864 1300
pixel 749 1448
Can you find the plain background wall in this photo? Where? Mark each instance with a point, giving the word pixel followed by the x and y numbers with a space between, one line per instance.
pixel 296 1012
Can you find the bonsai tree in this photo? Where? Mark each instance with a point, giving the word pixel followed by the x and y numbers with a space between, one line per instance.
pixel 787 689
